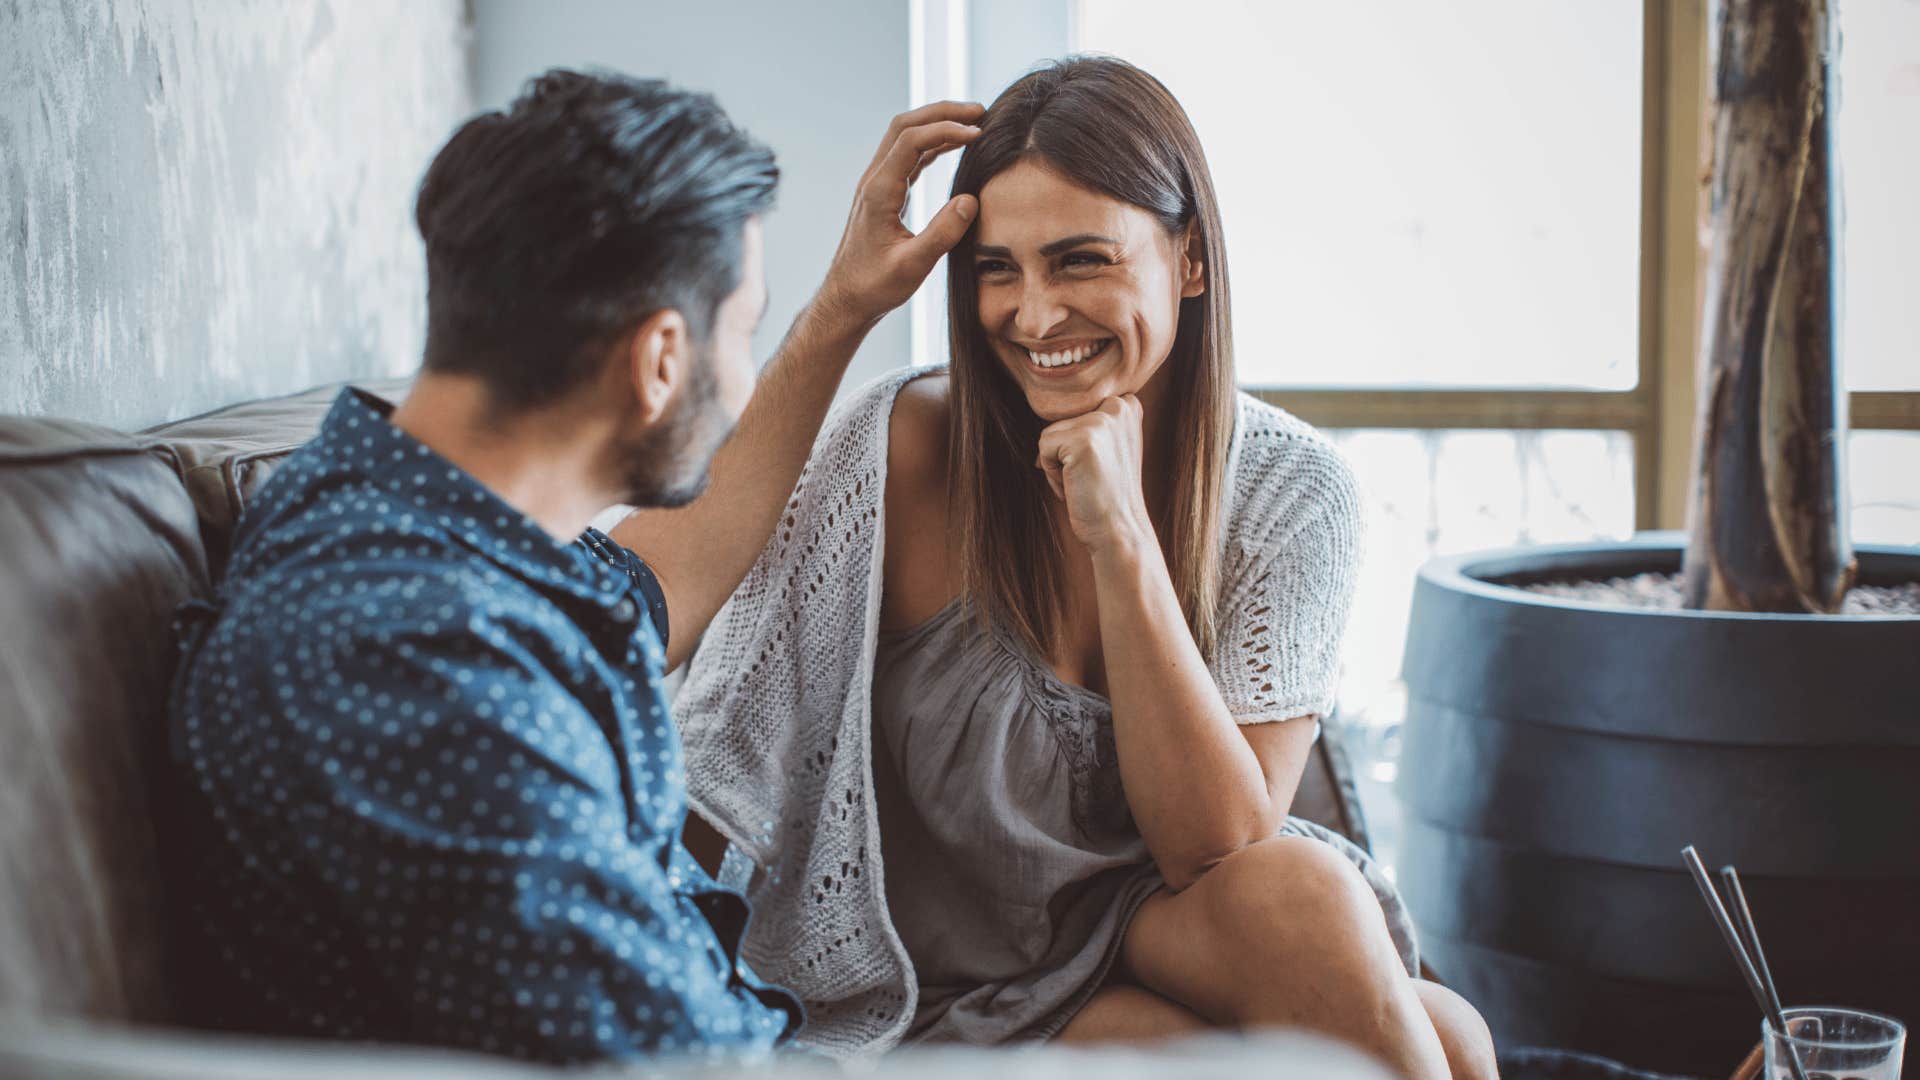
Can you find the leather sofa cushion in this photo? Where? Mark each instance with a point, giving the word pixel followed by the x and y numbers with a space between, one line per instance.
pixel 98 544
pixel 225 456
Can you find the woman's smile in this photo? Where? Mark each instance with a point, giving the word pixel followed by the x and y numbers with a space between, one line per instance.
pixel 1060 359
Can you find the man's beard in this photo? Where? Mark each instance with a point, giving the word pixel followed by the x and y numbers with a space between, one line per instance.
pixel 668 467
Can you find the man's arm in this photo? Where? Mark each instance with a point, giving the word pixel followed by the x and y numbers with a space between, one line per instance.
pixel 700 552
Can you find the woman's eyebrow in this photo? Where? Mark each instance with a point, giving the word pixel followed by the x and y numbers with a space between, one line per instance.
pixel 1065 243
pixel 1068 243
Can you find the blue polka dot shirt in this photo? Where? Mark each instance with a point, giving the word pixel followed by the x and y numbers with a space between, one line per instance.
pixel 430 790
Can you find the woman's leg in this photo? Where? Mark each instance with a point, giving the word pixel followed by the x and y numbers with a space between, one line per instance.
pixel 1130 1015
pixel 1286 933
pixel 1462 1030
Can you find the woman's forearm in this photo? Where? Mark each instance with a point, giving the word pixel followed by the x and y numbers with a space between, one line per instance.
pixel 1196 788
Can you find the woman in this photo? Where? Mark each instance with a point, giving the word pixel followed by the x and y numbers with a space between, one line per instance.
pixel 1045 792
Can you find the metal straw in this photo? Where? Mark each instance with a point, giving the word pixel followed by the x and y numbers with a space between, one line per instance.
pixel 1768 1008
pixel 1750 935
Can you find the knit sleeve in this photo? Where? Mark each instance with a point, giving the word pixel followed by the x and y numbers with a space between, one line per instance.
pixel 1293 555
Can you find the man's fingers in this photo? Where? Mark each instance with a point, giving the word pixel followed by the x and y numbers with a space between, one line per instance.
pixel 944 231
pixel 961 111
pixel 914 147
pixel 908 148
pixel 968 111
pixel 927 158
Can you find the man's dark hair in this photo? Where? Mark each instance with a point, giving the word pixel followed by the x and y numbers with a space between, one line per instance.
pixel 555 226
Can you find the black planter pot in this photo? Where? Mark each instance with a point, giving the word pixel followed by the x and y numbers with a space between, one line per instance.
pixel 1558 755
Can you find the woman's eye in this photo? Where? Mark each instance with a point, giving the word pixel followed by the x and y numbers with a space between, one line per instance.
pixel 1082 259
pixel 990 266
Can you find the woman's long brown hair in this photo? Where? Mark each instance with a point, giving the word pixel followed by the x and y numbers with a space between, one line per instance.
pixel 1112 128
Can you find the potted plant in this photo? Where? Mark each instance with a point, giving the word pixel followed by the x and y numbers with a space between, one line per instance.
pixel 1578 714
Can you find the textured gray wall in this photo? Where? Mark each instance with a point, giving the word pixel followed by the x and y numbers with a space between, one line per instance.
pixel 210 201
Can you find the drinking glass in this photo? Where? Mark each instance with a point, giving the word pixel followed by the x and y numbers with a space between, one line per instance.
pixel 1836 1044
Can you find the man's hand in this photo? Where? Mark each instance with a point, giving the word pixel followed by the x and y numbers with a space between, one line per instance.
pixel 700 552
pixel 880 262
pixel 1092 463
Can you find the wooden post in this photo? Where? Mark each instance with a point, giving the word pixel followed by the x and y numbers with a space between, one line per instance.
pixel 1768 510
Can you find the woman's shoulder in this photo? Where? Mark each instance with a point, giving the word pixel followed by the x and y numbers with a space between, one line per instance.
pixel 894 429
pixel 917 431
pixel 860 437
pixel 917 566
pixel 1285 472
pixel 1266 428
pixel 865 416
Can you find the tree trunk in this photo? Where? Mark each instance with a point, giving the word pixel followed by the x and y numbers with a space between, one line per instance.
pixel 1768 515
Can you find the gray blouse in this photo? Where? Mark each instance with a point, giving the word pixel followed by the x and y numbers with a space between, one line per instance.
pixel 1013 866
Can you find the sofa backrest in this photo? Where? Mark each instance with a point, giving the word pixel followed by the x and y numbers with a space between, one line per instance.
pixel 102 535
pixel 98 544
pixel 225 456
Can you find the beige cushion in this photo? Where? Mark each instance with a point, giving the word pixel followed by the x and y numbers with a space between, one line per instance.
pixel 225 456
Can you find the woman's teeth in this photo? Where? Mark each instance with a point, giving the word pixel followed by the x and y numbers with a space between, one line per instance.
pixel 1067 356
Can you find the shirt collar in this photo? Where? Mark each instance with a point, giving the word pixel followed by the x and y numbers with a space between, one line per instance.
pixel 359 433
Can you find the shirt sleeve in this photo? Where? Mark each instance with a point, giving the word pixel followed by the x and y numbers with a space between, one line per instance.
pixel 453 801
pixel 1290 587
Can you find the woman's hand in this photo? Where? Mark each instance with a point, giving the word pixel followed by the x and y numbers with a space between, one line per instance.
pixel 880 262
pixel 1093 465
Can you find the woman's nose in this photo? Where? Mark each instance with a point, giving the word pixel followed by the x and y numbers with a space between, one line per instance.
pixel 1039 313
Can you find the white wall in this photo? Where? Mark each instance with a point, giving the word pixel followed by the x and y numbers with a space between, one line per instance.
pixel 817 81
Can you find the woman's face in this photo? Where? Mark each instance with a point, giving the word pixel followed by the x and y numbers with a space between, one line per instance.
pixel 1079 293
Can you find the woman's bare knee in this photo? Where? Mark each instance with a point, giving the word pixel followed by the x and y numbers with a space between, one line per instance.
pixel 1463 1032
pixel 1287 933
pixel 1293 900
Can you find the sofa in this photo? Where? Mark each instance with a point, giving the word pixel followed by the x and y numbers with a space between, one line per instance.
pixel 102 534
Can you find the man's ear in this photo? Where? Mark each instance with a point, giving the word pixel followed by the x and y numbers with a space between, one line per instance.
pixel 1193 279
pixel 658 356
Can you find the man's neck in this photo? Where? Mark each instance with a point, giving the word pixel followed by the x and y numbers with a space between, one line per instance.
pixel 543 463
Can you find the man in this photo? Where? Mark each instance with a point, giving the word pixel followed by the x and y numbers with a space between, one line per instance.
pixel 432 791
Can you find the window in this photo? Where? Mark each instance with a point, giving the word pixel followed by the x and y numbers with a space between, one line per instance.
pixel 1883 466
pixel 1415 194
pixel 1880 174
